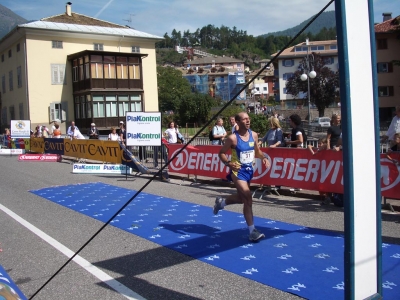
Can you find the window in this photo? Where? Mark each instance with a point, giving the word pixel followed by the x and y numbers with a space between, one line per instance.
pixel 288 63
pixel 97 70
pixel 123 105
pixel 385 67
pixel 135 49
pixel 300 48
pixel 381 44
pixel 12 112
pixel 88 106
pixel 333 47
pixel 111 106
pixel 21 111
pixel 83 106
pixel 329 60
pixel 265 89
pixel 10 80
pixel 19 77
pixel 287 76
pixel 2 57
pixel 4 116
pixel 57 111
pixel 284 90
pixel 122 67
pixel 9 53
pixel 98 107
pixel 75 70
pixel 18 47
pixel 136 103
pixel 317 48
pixel 77 108
pixel 98 47
pixel 109 67
pixel 385 91
pixel 57 74
pixel 56 44
pixel 3 84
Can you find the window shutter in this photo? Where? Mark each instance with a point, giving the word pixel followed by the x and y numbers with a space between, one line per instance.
pixel 64 110
pixel 391 90
pixel 54 74
pixel 390 67
pixel 61 70
pixel 52 113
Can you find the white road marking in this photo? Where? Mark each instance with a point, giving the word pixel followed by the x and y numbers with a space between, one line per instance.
pixel 104 277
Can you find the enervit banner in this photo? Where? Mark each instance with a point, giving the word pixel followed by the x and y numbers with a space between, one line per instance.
pixel 40 157
pixel 102 169
pixel 296 168
pixel 143 129
pixel 106 151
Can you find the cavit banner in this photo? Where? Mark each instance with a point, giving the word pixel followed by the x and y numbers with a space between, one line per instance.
pixel 143 129
pixel 296 168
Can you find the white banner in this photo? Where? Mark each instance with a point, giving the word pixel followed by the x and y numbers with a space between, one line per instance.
pixel 100 169
pixel 12 151
pixel 20 129
pixel 143 129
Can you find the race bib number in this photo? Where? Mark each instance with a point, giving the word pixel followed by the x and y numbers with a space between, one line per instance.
pixel 247 157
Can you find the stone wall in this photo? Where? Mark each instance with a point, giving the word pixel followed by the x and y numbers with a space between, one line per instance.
pixel 303 112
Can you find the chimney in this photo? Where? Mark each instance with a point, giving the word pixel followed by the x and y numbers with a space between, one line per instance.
pixel 68 9
pixel 386 16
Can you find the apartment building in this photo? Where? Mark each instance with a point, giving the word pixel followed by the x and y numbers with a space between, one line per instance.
pixel 387 36
pixel 75 67
pixel 288 63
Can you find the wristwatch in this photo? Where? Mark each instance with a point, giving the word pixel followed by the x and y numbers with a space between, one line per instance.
pixel 226 163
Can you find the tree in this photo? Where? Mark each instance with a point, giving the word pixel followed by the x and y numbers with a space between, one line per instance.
pixel 195 108
pixel 172 88
pixel 323 88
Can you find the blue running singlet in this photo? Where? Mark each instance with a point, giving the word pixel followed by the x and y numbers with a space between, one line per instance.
pixel 243 154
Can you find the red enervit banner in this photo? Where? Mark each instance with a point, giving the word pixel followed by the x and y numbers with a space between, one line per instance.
pixel 296 168
pixel 40 157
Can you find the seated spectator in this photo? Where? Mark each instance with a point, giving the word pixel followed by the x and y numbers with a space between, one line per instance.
pixel 93 132
pixel 114 136
pixel 76 134
pixel 38 132
pixel 45 132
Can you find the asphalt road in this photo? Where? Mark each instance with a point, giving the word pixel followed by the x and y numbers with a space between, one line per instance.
pixel 143 267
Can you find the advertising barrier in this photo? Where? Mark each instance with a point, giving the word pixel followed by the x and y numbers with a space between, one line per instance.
pixel 40 157
pixel 100 169
pixel 12 151
pixel 8 289
pixel 106 151
pixel 18 144
pixel 296 168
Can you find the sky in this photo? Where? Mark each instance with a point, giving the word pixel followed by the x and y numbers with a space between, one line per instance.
pixel 162 16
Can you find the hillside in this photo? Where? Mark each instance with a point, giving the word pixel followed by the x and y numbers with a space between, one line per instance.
pixel 8 20
pixel 326 19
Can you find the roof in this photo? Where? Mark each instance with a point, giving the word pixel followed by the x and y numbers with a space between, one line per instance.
pixel 389 26
pixel 289 52
pixel 213 60
pixel 69 27
pixel 79 19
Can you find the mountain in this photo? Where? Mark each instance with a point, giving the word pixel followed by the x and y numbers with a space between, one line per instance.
pixel 326 19
pixel 8 20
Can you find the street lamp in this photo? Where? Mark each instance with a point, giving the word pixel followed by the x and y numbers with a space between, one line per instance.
pixel 308 67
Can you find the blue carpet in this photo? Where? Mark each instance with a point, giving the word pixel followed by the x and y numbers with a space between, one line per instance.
pixel 304 261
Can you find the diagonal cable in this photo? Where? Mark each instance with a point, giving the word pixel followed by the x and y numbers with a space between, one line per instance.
pixel 184 147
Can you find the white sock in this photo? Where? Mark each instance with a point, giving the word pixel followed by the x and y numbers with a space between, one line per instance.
pixel 251 228
pixel 223 204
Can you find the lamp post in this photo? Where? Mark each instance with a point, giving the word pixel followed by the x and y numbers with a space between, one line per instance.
pixel 308 67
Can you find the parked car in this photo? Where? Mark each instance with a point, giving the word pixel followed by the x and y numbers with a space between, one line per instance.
pixel 323 122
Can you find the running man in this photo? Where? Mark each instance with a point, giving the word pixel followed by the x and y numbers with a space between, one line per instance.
pixel 243 144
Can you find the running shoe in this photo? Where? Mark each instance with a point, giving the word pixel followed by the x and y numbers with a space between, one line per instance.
pixel 217 205
pixel 255 235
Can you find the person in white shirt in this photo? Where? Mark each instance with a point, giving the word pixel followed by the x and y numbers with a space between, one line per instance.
pixel 219 132
pixel 393 128
pixel 113 136
pixel 171 133
pixel 76 134
pixel 235 126
pixel 70 131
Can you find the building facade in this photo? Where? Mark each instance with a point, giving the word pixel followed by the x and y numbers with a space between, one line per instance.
pixel 387 36
pixel 288 63
pixel 74 67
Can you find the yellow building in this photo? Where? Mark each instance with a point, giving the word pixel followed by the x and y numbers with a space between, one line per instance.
pixel 74 67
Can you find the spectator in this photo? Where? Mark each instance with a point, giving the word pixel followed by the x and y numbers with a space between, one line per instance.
pixel 163 150
pixel 334 132
pixel 113 136
pixel 296 138
pixel 219 132
pixel 56 131
pixel 38 132
pixel 274 136
pixel 45 132
pixel 322 145
pixel 93 132
pixel 394 128
pixel 76 134
pixel 53 127
pixel 234 126
pixel 70 133
pixel 7 138
pixel 122 132
pixel 171 133
pixel 32 134
pixel 395 148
